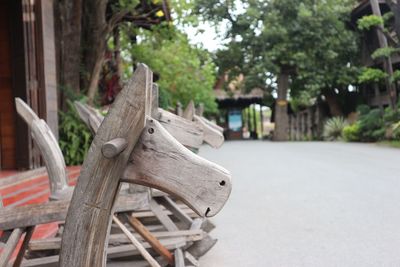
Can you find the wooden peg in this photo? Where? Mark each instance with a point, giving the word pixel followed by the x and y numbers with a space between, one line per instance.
pixel 113 148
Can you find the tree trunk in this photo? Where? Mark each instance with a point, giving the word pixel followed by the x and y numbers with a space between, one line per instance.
pixel 93 43
pixel 390 87
pixel 281 116
pixel 334 106
pixel 68 25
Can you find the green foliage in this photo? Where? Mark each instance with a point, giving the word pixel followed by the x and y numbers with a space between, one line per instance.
pixel 75 138
pixel 351 133
pixel 371 123
pixel 333 128
pixel 309 40
pixel 396 76
pixel 367 22
pixel 396 130
pixel 372 75
pixel 385 52
pixel 185 72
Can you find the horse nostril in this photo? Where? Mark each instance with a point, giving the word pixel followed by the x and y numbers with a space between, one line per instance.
pixel 207 211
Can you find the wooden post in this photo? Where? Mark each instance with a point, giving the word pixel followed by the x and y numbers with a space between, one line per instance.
pixel 90 212
pixel 391 88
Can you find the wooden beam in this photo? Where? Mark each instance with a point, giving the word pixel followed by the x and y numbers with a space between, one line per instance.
pixel 150 238
pixel 88 219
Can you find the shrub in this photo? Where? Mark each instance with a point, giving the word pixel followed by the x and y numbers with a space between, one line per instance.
pixel 333 128
pixel 396 130
pixel 75 137
pixel 371 124
pixel 351 133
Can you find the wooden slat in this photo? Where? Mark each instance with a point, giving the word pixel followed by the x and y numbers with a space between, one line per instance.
pixel 10 246
pixel 54 243
pixel 150 238
pixel 136 243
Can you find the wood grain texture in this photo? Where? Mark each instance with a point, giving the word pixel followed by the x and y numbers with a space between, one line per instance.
pixel 161 162
pixel 211 136
pixel 150 238
pixel 136 243
pixel 179 259
pixel 171 205
pixel 34 214
pixel 189 111
pixel 24 246
pixel 118 239
pixel 114 147
pixel 187 132
pixel 89 215
pixel 212 124
pixel 10 246
pixel 49 150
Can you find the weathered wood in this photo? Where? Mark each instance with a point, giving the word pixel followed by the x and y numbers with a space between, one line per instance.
pixel 10 246
pixel 201 184
pixel 88 220
pixel 212 136
pixel 200 248
pixel 189 111
pixel 179 259
pixel 54 243
pixel 49 150
pixel 154 102
pixel 212 125
pixel 162 216
pixel 188 133
pixel 192 260
pixel 136 243
pixel 55 211
pixel 150 238
pixel 113 148
pixel 112 252
pixel 200 110
pixel 89 116
pixel 24 246
pixel 176 210
pixel 33 214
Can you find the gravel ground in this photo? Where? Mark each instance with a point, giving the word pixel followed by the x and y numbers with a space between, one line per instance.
pixel 308 204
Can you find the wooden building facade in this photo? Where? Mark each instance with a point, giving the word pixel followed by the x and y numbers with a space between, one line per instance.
pixel 28 71
pixel 372 94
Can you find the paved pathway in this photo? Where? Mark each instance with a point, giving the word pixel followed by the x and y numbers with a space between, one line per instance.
pixel 308 204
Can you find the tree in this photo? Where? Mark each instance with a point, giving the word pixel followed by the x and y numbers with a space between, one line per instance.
pixel 185 72
pixel 305 45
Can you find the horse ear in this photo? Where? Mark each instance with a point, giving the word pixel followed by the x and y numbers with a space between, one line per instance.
pixel 189 111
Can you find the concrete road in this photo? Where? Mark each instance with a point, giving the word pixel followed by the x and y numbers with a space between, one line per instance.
pixel 308 204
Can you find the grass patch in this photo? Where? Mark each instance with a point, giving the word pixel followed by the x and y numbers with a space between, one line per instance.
pixel 395 144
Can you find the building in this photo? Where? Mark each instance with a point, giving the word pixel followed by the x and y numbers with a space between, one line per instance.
pixel 28 71
pixel 369 43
